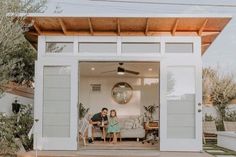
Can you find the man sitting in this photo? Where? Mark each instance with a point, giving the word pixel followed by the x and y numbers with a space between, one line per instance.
pixel 99 120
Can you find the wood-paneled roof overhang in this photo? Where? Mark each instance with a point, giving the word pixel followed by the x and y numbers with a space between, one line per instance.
pixel 208 27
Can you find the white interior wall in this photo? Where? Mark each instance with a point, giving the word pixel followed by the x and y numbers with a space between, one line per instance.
pixel 7 99
pixel 145 93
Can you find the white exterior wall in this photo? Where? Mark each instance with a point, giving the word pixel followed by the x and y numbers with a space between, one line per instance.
pixel 72 59
pixel 7 99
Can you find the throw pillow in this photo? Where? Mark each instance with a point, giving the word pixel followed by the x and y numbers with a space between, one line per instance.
pixel 141 119
pixel 129 124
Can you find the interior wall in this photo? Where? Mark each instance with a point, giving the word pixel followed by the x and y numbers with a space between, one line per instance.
pixel 145 93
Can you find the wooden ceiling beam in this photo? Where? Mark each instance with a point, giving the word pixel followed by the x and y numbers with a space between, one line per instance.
pixel 32 33
pixel 147 26
pixel 209 33
pixel 175 27
pixel 63 26
pixel 36 27
pixel 90 26
pixel 202 27
pixel 118 26
pixel 207 44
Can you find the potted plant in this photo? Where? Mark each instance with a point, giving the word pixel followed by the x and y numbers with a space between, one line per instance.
pixel 150 110
pixel 82 111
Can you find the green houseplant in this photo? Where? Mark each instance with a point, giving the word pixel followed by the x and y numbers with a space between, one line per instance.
pixel 150 110
pixel 82 111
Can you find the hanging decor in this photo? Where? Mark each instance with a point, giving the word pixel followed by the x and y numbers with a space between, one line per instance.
pixel 122 92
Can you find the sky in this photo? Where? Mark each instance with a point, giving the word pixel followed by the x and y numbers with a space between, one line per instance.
pixel 221 54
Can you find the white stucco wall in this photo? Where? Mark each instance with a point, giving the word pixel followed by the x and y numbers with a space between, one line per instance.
pixel 7 99
pixel 145 93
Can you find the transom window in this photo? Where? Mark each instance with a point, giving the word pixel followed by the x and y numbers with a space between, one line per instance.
pixel 140 47
pixel 114 47
pixel 179 47
pixel 97 47
pixel 59 47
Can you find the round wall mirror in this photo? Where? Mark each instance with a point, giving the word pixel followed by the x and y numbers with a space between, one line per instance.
pixel 122 92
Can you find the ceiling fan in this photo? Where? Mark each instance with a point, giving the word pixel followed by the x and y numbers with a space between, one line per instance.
pixel 121 71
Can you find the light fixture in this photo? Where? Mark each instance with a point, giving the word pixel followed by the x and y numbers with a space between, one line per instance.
pixel 149 69
pixel 122 86
pixel 92 68
pixel 120 71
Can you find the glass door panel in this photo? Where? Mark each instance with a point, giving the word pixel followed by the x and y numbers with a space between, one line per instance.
pixel 181 102
pixel 56 101
pixel 56 98
pixel 180 112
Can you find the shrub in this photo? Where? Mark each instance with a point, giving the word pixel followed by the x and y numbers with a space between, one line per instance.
pixel 8 145
pixel 16 126
pixel 230 116
pixel 209 117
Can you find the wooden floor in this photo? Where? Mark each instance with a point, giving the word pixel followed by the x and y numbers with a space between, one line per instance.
pixel 123 145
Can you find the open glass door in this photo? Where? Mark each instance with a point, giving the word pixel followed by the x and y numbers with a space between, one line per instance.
pixel 181 117
pixel 56 105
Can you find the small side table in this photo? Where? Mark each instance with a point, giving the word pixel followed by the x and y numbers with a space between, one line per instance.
pixel 151 128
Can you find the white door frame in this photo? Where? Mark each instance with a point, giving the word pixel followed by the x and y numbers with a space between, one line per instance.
pixel 55 143
pixel 128 59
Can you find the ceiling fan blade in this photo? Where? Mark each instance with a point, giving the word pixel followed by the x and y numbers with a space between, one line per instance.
pixel 132 72
pixel 110 71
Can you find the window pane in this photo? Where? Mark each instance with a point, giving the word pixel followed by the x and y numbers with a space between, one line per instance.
pixel 56 101
pixel 180 102
pixel 57 47
pixel 179 47
pixel 135 47
pixel 98 47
